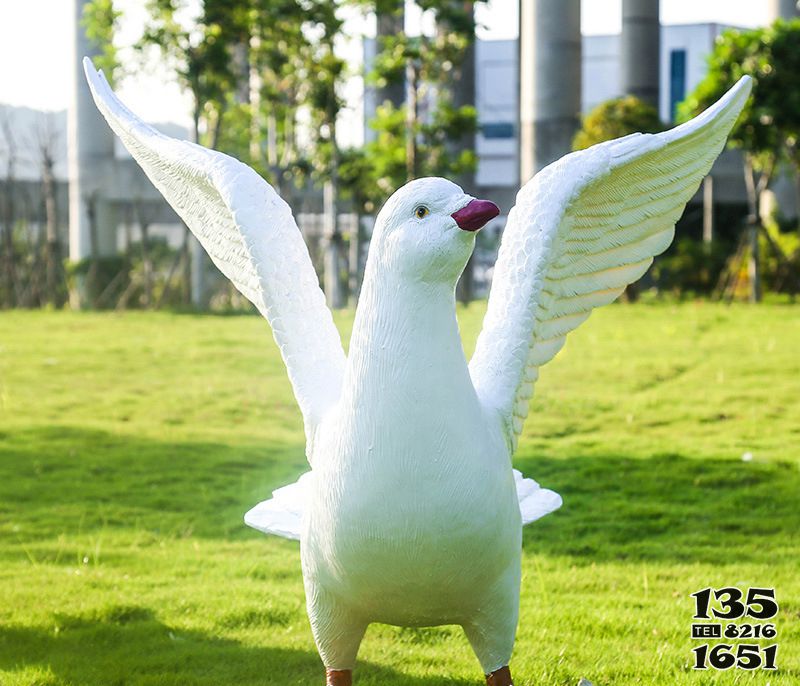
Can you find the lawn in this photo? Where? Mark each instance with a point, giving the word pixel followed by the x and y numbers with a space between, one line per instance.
pixel 131 445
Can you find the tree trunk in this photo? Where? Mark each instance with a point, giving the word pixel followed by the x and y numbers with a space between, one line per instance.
pixel 355 260
pixel 194 266
pixel 708 210
pixel 753 219
pixel 335 289
pixel 334 292
pixel 754 267
pixel 52 251
pixel 7 257
pixel 91 276
pixel 411 120
pixel 8 261
pixel 462 94
pixel 188 265
pixel 147 265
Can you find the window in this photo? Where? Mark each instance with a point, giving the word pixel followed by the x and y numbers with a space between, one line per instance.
pixel 498 130
pixel 677 79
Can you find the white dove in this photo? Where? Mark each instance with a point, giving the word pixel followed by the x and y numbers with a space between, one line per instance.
pixel 411 514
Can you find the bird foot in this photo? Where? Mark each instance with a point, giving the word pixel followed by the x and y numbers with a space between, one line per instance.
pixel 338 677
pixel 499 677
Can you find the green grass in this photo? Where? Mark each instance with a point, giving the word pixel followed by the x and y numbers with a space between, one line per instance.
pixel 130 446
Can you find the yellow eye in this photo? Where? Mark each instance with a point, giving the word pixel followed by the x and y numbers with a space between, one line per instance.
pixel 421 212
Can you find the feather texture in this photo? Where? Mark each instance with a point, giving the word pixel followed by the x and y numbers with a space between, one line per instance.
pixel 282 515
pixel 582 230
pixel 251 236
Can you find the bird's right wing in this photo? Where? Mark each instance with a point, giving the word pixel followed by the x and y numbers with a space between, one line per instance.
pixel 250 234
pixel 582 229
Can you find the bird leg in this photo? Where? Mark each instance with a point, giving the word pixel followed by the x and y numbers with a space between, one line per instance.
pixel 339 677
pixel 500 677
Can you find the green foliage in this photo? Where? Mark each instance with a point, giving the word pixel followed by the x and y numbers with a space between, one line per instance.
pixel 357 179
pixel 690 267
pixel 131 445
pixel 199 53
pixel 263 131
pixel 780 264
pixel 769 125
pixel 615 119
pixel 421 137
pixel 102 279
pixel 325 71
pixel 288 44
pixel 388 151
pixel 101 21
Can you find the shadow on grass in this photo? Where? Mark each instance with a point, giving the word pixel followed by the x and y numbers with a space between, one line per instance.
pixel 667 507
pixel 128 645
pixel 63 480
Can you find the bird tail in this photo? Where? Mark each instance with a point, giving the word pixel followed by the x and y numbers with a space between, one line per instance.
pixel 282 514
pixel 534 501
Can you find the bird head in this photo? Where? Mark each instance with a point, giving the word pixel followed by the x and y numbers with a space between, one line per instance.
pixel 426 230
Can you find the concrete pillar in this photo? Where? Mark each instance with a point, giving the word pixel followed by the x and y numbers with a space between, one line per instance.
pixel 462 94
pixel 462 89
pixel 550 81
pixel 390 19
pixel 90 155
pixel 641 49
pixel 783 9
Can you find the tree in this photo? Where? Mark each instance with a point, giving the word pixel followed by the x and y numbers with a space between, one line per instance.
pixel 425 119
pixel 327 70
pixel 8 277
pixel 46 142
pixel 418 138
pixel 252 66
pixel 199 51
pixel 100 22
pixel 264 78
pixel 614 119
pixel 769 127
pixel 266 132
pixel 617 118
pixel 357 175
pixel 390 21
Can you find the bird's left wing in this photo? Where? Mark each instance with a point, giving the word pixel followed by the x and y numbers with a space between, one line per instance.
pixel 583 229
pixel 250 234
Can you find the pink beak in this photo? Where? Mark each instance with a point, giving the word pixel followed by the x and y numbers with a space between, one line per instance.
pixel 475 214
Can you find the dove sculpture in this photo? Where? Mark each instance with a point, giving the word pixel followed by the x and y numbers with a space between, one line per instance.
pixel 411 513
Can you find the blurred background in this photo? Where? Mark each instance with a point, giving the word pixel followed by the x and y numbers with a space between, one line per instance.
pixel 338 104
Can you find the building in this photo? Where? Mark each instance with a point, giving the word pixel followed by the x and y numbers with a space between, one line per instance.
pixel 684 49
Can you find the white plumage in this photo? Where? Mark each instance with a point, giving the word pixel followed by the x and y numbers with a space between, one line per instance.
pixel 282 514
pixel 412 513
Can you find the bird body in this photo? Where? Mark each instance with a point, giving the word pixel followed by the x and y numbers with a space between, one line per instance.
pixel 412 513
pixel 397 529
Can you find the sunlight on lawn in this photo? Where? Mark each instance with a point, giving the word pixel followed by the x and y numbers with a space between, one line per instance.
pixel 131 445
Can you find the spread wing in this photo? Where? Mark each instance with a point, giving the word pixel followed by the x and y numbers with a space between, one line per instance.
pixel 250 234
pixel 582 229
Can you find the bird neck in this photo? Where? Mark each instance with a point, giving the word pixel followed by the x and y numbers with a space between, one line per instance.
pixel 405 340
